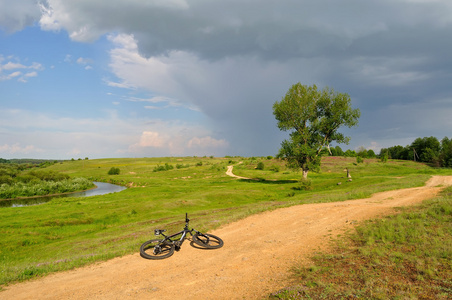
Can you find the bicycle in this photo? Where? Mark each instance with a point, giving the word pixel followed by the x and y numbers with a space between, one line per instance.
pixel 164 248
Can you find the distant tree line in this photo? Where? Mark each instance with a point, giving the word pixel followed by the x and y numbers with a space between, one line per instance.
pixel 428 149
pixel 30 161
pixel 361 152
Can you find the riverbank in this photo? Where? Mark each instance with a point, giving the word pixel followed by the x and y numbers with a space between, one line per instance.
pixel 99 188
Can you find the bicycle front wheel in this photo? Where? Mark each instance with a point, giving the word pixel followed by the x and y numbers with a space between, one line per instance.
pixel 208 241
pixel 156 249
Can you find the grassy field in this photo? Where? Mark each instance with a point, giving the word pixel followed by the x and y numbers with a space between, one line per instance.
pixel 69 232
pixel 407 256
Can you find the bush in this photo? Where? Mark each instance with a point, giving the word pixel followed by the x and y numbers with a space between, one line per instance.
pixel 41 188
pixel 114 171
pixel 274 168
pixel 48 175
pixel 4 179
pixel 166 167
pixel 180 166
pixel 305 185
pixel 260 165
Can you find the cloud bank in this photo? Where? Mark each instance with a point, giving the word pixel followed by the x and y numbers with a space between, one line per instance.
pixel 231 60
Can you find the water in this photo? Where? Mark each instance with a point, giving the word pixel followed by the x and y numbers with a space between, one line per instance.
pixel 102 189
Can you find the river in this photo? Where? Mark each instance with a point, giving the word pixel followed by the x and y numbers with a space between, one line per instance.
pixel 101 189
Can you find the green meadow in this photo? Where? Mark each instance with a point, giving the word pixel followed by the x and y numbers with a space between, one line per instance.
pixel 70 232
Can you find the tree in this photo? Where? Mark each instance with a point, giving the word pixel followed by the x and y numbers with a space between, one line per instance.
pixel 339 151
pixel 313 116
pixel 350 153
pixel 446 152
pixel 362 152
pixel 426 148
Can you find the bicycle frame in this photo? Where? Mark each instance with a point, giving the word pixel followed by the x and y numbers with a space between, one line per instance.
pixel 183 233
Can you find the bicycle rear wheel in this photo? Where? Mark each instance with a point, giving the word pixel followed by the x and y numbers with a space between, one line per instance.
pixel 156 249
pixel 208 241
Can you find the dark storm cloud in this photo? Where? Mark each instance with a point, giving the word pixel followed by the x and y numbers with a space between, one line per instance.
pixel 15 15
pixel 233 59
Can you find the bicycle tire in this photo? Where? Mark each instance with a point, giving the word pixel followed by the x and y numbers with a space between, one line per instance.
pixel 207 240
pixel 147 249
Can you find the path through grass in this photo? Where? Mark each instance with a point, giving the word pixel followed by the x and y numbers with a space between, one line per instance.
pixel 71 232
pixel 407 256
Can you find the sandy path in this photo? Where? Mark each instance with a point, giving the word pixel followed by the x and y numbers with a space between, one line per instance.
pixel 255 260
pixel 229 173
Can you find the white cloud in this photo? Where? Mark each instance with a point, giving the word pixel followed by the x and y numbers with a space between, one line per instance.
pixel 59 137
pixel 176 140
pixel 11 66
pixel 7 70
pixel 153 139
pixel 166 101
pixel 83 61
pixel 31 74
pixel 16 149
pixel 14 74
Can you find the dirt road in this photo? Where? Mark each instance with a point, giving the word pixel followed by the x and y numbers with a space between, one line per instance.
pixel 255 260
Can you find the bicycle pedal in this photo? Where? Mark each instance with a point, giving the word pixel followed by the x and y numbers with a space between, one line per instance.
pixel 177 248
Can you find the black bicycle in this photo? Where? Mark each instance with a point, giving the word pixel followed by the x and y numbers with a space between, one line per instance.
pixel 164 248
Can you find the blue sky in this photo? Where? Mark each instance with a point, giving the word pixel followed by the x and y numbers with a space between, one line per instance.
pixel 97 79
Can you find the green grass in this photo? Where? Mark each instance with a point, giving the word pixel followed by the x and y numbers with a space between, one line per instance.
pixel 70 232
pixel 43 188
pixel 407 256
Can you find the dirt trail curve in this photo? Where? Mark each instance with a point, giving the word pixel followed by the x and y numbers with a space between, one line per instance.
pixel 229 173
pixel 255 260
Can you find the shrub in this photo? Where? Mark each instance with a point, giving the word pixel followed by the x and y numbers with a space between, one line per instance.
pixel 41 188
pixel 114 171
pixel 274 168
pixel 260 165
pixel 305 185
pixel 180 166
pixel 46 175
pixel 166 167
pixel 158 168
pixel 4 179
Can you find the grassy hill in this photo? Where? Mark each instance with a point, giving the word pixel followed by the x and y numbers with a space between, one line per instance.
pixel 69 232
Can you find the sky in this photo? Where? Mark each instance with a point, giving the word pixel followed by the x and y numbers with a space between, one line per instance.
pixel 157 78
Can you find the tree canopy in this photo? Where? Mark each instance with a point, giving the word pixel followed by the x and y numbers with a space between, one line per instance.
pixel 428 149
pixel 313 116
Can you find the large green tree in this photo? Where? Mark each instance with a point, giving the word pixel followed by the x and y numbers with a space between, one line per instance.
pixel 313 118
